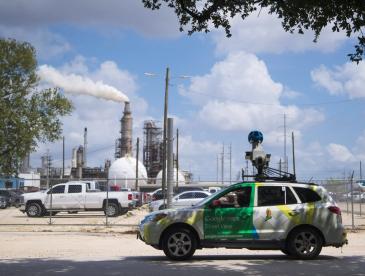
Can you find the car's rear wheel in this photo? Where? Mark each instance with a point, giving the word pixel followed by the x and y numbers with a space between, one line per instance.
pixel 162 207
pixel 305 243
pixel 179 244
pixel 111 210
pixel 34 210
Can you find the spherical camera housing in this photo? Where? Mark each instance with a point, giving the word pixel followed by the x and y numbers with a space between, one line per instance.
pixel 255 137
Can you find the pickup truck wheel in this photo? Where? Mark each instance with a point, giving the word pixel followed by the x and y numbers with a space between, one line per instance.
pixel 179 244
pixel 111 210
pixel 123 211
pixel 34 210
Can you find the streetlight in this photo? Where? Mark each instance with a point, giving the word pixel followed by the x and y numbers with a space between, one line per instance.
pixel 164 142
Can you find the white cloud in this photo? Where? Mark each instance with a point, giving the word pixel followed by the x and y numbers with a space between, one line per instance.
pixel 112 13
pixel 239 94
pixel 340 153
pixel 46 43
pixel 348 78
pixel 263 33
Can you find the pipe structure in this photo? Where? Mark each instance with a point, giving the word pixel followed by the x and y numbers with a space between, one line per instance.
pixel 126 131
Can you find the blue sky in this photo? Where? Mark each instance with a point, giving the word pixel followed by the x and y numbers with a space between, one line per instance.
pixel 238 84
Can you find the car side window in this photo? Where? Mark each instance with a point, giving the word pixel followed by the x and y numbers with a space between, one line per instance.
pixel 237 198
pixel 186 196
pixel 270 195
pixel 74 189
pixel 290 198
pixel 57 190
pixel 307 195
pixel 200 195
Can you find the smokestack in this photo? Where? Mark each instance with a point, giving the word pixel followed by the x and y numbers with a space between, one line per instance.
pixel 126 132
pixel 85 147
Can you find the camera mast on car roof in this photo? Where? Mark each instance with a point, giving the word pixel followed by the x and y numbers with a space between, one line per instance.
pixel 260 160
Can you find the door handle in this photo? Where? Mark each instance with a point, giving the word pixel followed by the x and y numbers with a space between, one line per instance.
pixel 295 212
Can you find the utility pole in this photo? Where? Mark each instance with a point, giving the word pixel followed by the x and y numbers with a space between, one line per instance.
pixel 230 163
pixel 222 166
pixel 217 168
pixel 360 180
pixel 177 159
pixel 285 159
pixel 352 201
pixel 137 157
pixel 293 150
pixel 165 132
pixel 170 161
pixel 63 157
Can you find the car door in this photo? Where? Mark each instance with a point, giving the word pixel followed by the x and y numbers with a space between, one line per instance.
pixel 183 200
pixel 75 198
pixel 276 211
pixel 56 197
pixel 230 218
pixel 197 197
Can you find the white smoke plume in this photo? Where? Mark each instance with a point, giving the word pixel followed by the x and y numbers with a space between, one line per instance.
pixel 76 84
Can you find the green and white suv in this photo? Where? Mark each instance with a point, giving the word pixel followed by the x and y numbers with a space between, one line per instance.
pixel 298 219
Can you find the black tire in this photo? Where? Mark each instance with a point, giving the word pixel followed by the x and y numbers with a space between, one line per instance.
pixel 285 251
pixel 48 213
pixel 111 210
pixel 179 244
pixel 123 211
pixel 162 207
pixel 305 243
pixel 33 210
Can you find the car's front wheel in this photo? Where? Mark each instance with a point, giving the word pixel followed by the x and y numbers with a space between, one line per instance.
pixel 305 243
pixel 179 244
pixel 34 210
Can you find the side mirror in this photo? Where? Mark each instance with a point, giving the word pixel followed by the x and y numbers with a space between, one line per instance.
pixel 215 203
pixel 176 199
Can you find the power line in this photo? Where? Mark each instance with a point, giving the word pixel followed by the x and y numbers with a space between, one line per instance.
pixel 277 104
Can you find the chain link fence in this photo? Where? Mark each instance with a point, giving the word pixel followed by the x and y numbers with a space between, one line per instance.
pixel 346 192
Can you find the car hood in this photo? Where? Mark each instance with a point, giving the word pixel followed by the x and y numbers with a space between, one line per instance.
pixel 35 195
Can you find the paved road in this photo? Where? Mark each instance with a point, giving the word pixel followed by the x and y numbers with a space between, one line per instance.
pixel 86 254
pixel 200 265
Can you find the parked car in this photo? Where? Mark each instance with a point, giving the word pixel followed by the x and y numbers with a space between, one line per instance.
pixel 157 194
pixel 13 198
pixel 184 199
pixel 296 218
pixel 73 197
pixel 3 202
pixel 356 195
pixel 213 190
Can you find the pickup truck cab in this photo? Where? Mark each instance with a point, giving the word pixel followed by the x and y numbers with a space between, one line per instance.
pixel 73 197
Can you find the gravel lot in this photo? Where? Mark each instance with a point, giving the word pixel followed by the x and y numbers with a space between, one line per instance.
pixel 99 250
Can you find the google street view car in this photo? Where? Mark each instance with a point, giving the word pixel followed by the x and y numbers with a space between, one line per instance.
pixel 267 213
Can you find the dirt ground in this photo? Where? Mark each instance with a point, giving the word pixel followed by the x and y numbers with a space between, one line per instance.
pixel 94 249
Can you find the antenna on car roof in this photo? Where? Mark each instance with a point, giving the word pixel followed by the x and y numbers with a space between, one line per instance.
pixel 260 160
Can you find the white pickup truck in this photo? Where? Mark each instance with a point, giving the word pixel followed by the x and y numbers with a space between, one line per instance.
pixel 73 197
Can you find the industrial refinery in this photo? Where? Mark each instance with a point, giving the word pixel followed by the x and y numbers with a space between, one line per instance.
pixel 124 169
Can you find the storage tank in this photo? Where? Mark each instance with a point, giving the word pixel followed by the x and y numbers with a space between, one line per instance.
pixel 122 172
pixel 181 177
